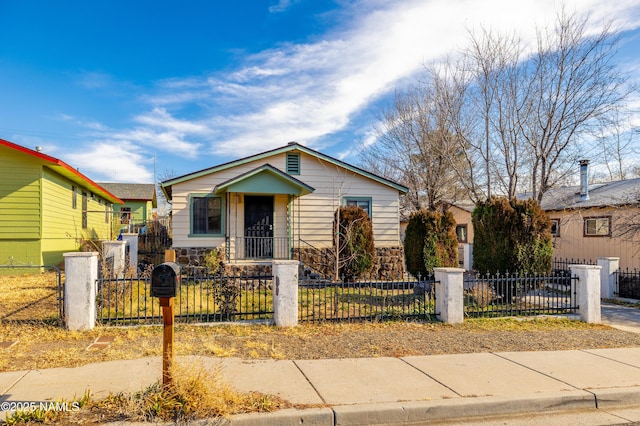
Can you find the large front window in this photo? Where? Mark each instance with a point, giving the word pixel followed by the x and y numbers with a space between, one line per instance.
pixel 206 215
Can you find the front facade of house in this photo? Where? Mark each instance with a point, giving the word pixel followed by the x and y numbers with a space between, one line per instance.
pixel 47 207
pixel 279 205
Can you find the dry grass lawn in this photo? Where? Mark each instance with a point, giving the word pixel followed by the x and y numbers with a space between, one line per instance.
pixel 29 310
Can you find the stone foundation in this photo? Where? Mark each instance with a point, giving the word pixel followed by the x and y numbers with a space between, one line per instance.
pixel 389 262
pixel 194 257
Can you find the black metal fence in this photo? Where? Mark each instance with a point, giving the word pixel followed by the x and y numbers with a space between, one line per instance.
pixel 200 298
pixel 628 284
pixel 515 295
pixel 563 264
pixel 32 292
pixel 367 300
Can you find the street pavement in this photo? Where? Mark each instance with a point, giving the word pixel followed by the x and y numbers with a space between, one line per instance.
pixel 597 386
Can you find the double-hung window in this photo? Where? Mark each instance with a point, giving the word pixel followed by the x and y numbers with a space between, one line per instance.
pixel 362 202
pixel 206 215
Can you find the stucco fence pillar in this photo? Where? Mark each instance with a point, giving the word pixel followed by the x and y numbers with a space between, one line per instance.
pixel 81 273
pixel 113 254
pixel 588 291
pixel 608 276
pixel 285 292
pixel 449 294
pixel 131 250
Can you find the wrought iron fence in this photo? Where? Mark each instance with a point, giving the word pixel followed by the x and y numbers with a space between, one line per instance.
pixel 515 295
pixel 200 298
pixel 628 284
pixel 563 264
pixel 32 292
pixel 368 300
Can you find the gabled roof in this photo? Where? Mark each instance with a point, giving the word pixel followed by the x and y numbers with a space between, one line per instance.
pixel 616 193
pixel 132 191
pixel 265 179
pixel 292 146
pixel 65 170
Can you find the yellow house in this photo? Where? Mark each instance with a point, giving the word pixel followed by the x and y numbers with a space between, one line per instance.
pixel 139 201
pixel 47 207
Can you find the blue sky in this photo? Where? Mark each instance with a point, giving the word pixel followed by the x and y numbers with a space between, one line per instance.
pixel 107 86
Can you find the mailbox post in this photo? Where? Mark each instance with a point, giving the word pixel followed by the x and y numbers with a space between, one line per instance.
pixel 165 279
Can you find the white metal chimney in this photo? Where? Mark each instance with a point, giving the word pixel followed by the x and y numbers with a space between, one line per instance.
pixel 584 180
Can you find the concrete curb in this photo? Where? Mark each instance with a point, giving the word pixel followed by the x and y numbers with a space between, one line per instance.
pixel 616 397
pixel 400 413
pixel 449 409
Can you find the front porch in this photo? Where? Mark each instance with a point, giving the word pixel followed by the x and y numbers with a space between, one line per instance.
pixel 258 248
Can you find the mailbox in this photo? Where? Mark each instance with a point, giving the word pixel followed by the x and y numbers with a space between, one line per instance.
pixel 165 279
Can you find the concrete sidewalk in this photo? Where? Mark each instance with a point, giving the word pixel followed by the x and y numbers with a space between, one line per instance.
pixel 368 391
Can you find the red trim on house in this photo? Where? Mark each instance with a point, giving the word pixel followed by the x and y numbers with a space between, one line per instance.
pixel 59 163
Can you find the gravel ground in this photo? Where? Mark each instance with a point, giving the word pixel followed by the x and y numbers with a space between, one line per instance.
pixel 40 346
pixel 397 340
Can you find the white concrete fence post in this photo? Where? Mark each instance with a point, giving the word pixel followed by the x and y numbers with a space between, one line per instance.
pixel 132 249
pixel 285 292
pixel 588 289
pixel 449 294
pixel 81 273
pixel 608 276
pixel 115 250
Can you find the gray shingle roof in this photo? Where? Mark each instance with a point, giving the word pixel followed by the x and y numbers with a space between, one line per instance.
pixel 616 193
pixel 131 191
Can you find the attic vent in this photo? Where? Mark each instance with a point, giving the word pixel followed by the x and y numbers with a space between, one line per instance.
pixel 293 164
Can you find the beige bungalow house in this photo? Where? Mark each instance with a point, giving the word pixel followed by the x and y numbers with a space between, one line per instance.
pixel 595 220
pixel 279 204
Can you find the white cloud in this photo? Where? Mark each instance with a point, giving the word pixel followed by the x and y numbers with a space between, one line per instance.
pixel 308 92
pixel 281 6
pixel 114 161
pixel 159 117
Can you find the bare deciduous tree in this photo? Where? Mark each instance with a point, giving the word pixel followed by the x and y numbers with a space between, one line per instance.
pixel 574 83
pixel 416 146
pixel 506 118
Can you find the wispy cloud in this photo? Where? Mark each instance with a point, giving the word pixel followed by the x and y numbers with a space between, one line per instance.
pixel 307 92
pixel 310 92
pixel 117 159
pixel 281 6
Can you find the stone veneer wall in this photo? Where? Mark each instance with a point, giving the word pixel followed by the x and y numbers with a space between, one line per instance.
pixel 195 257
pixel 389 262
